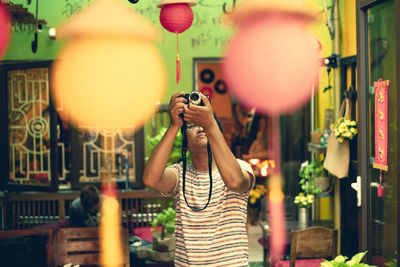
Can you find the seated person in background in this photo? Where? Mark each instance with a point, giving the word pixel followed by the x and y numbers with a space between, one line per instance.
pixel 259 146
pixel 84 211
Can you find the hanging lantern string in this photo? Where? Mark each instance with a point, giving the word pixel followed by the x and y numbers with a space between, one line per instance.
pixel 178 61
pixel 276 196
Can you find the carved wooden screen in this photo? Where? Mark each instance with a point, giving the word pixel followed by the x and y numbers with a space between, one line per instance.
pixel 29 122
pixel 40 151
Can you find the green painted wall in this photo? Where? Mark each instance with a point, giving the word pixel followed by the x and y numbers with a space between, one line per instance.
pixel 205 38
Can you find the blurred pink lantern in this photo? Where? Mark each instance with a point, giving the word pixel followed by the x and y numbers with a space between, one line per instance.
pixel 5 29
pixel 272 61
pixel 176 16
pixel 271 65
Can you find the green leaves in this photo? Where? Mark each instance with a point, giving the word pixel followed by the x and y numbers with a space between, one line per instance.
pixel 307 172
pixel 356 258
pixel 170 214
pixel 340 261
pixel 393 261
pixel 170 227
pixel 175 155
pixel 166 219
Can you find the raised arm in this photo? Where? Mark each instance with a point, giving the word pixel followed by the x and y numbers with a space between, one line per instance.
pixel 234 177
pixel 155 174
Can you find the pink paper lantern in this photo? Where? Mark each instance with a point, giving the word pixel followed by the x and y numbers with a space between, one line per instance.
pixel 5 29
pixel 176 18
pixel 272 63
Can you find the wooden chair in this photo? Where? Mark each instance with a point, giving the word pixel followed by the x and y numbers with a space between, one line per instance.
pixel 81 246
pixel 308 247
pixel 27 233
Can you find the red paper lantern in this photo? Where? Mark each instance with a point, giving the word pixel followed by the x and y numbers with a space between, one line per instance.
pixel 271 63
pixel 176 18
pixel 5 29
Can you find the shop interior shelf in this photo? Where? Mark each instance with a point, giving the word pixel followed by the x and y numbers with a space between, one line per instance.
pixel 316 148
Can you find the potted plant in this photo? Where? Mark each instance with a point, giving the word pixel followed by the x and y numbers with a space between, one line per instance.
pixel 344 129
pixel 163 248
pixel 303 202
pixel 340 261
pixel 254 207
pixel 164 241
pixel 313 178
pixel 165 219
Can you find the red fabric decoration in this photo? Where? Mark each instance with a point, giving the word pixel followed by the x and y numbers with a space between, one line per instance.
pixel 178 61
pixel 178 68
pixel 176 18
pixel 381 124
pixel 381 129
pixel 5 29
pixel 145 233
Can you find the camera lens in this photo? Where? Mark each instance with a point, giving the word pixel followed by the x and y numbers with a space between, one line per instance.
pixel 194 98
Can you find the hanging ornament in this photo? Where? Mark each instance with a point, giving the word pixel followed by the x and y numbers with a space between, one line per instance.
pixel 176 16
pixel 272 61
pixel 112 253
pixel 271 64
pixel 381 130
pixel 109 74
pixel 5 29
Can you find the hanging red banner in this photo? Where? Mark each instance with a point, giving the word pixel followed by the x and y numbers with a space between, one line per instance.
pixel 381 124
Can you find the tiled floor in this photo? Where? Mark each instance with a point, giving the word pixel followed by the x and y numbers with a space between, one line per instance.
pixel 255 249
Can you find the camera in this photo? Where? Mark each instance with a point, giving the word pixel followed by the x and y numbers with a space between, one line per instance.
pixel 194 98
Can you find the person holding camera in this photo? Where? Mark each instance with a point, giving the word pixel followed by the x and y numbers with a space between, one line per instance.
pixel 211 206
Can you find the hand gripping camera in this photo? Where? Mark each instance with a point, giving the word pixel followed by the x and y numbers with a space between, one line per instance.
pixel 193 98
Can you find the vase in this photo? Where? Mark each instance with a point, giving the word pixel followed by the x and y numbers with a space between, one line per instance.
pixel 304 215
pixel 163 244
pixel 316 137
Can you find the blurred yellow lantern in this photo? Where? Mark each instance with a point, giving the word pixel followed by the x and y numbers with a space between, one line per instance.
pixel 109 74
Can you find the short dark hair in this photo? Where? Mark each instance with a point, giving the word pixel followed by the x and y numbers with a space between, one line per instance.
pixel 89 196
pixel 183 128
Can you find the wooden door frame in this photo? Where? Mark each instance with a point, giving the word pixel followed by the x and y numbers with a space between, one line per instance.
pixel 363 114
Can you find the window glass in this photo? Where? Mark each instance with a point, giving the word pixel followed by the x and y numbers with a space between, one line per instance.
pixel 29 126
pixel 382 65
